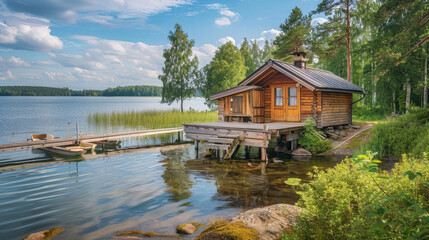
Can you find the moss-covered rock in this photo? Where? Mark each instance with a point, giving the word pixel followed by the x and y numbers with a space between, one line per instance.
pixel 44 235
pixel 188 228
pixel 137 233
pixel 223 229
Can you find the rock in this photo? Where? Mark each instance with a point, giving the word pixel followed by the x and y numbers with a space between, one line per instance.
pixel 281 148
pixel 137 234
pixel 188 228
pixel 332 135
pixel 300 152
pixel 356 126
pixel 44 235
pixel 223 229
pixel 343 133
pixel 301 158
pixel 269 221
pixel 276 160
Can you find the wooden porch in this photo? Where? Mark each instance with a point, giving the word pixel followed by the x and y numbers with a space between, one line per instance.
pixel 225 137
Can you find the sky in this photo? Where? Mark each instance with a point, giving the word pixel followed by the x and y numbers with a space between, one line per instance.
pixel 96 44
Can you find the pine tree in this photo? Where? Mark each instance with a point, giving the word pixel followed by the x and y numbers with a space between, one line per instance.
pixel 180 68
pixel 294 35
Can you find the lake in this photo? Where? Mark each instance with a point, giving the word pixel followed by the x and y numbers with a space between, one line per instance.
pixel 153 190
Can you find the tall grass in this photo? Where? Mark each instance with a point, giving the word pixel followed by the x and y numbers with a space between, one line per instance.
pixel 152 119
pixel 366 113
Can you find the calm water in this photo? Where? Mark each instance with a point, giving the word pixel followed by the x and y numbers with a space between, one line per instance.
pixel 95 196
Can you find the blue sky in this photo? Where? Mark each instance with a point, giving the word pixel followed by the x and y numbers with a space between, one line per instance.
pixel 94 44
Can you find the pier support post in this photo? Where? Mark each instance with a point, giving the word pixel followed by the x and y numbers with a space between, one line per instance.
pixel 178 136
pixel 196 147
pixel 264 154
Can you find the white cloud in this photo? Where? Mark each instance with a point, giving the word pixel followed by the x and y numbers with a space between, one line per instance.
pixel 228 13
pixel 224 40
pixel 93 10
pixel 224 11
pixel 13 62
pixel 7 75
pixel 204 53
pixel 27 33
pixel 269 35
pixel 223 21
pixel 318 21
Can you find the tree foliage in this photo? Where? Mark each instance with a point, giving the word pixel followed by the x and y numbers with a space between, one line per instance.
pixel 180 68
pixel 294 36
pixel 226 70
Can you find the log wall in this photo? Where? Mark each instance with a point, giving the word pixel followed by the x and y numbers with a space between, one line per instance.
pixel 335 108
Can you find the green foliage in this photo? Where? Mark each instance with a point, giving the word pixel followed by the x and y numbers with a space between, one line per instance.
pixel 366 113
pixel 408 133
pixel 294 35
pixel 355 201
pixel 223 229
pixel 50 91
pixel 310 139
pixel 225 71
pixel 180 68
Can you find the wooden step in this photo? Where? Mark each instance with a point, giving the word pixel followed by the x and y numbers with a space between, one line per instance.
pixel 217 146
pixel 221 140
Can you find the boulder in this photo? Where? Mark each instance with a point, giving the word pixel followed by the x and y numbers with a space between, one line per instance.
pixel 223 229
pixel 343 133
pixel 188 228
pixel 44 235
pixel 269 221
pixel 300 152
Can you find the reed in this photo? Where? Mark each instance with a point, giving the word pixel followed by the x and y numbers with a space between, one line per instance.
pixel 152 119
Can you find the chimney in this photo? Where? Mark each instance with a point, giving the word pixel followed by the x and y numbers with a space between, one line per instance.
pixel 299 59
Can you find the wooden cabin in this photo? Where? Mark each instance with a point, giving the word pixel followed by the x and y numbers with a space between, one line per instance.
pixel 286 92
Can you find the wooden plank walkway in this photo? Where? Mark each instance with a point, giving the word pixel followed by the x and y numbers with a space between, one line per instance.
pixel 87 138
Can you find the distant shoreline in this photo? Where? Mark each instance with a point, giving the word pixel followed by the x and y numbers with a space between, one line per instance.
pixel 127 91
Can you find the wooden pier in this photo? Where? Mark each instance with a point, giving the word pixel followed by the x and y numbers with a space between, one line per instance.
pixel 226 137
pixel 85 138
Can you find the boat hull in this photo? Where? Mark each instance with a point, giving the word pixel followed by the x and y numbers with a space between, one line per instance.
pixel 65 151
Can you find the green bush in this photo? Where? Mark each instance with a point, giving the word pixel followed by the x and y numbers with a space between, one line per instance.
pixel 408 133
pixel 366 113
pixel 310 139
pixel 354 201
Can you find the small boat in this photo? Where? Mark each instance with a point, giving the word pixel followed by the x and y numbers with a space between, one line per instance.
pixel 41 137
pixel 66 151
pixel 108 142
pixel 71 150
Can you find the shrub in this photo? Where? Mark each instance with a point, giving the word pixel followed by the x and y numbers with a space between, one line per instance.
pixel 310 139
pixel 406 134
pixel 354 201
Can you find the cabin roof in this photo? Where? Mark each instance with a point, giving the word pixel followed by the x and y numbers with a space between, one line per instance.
pixel 312 78
pixel 231 91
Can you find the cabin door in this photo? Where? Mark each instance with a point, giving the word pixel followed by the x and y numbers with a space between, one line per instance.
pixel 285 103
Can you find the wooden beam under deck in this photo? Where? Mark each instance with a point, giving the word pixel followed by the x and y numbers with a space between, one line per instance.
pixel 70 141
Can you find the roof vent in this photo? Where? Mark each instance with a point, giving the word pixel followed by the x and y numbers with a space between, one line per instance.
pixel 299 59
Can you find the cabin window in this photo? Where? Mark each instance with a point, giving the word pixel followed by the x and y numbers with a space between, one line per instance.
pixel 278 97
pixel 237 105
pixel 292 97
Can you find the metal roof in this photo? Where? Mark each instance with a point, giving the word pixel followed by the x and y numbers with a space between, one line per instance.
pixel 232 91
pixel 312 78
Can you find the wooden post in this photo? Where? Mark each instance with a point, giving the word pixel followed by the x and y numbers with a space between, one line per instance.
pixel 264 154
pixel 221 154
pixel 196 147
pixel 178 136
pixel 68 130
pixel 77 133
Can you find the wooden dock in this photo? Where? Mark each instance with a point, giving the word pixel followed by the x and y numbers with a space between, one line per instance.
pixel 85 138
pixel 225 137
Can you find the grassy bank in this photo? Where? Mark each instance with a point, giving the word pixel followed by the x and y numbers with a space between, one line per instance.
pixel 408 133
pixel 151 119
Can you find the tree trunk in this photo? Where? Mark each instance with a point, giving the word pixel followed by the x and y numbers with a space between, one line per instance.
pixel 349 58
pixel 408 97
pixel 425 86
pixel 394 102
pixel 181 105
